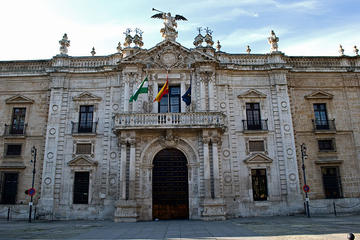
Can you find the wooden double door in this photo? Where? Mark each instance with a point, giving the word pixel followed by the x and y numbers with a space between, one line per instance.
pixel 170 185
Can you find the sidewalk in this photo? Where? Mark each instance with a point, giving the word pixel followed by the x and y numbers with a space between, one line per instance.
pixel 263 228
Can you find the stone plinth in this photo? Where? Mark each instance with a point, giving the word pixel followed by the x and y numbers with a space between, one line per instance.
pixel 125 211
pixel 214 209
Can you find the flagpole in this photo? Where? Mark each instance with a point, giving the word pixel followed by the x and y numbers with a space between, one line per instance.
pixel 167 79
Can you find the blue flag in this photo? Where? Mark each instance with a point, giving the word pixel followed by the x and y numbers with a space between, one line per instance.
pixel 187 97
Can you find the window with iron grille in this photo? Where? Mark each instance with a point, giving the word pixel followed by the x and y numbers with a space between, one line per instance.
pixel 326 145
pixel 256 146
pixel 83 148
pixel 8 186
pixel 259 184
pixel 81 188
pixel 253 119
pixel 331 182
pixel 13 150
pixel 18 121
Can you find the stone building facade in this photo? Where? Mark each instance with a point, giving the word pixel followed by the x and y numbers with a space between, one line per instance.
pixel 234 151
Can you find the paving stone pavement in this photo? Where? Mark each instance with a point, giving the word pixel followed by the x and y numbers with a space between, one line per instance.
pixel 262 228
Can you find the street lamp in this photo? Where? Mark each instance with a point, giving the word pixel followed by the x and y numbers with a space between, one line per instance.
pixel 303 157
pixel 33 160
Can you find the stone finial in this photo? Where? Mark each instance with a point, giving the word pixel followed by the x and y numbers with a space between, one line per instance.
pixel 208 37
pixel 199 38
pixel 218 46
pixel 356 51
pixel 341 50
pixel 248 49
pixel 137 39
pixel 128 38
pixel 64 44
pixel 119 48
pixel 93 51
pixel 273 41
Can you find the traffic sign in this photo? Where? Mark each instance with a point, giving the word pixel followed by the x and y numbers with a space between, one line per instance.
pixel 306 188
pixel 31 192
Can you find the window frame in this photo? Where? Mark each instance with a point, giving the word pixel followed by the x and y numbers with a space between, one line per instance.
pixel 88 124
pixel 321 116
pixel 255 188
pixel 326 184
pixel 6 148
pixel 251 114
pixel 3 187
pixel 75 188
pixel 333 149
pixel 167 99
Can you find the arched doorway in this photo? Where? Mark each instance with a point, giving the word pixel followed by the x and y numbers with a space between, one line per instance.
pixel 170 196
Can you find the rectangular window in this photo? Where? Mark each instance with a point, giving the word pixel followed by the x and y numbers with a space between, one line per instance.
pixel 259 184
pixel 81 188
pixel 321 120
pixel 172 98
pixel 86 119
pixel 256 146
pixel 9 188
pixel 326 145
pixel 332 182
pixel 18 121
pixel 83 148
pixel 13 149
pixel 253 119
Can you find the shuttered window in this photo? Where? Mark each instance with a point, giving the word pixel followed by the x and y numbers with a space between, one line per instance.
pixel 256 146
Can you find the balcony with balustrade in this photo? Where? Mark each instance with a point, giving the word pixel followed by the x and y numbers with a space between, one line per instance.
pixel 251 126
pixel 12 130
pixel 84 128
pixel 189 120
pixel 324 126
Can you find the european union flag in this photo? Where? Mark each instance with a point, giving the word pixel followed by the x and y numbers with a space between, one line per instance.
pixel 187 97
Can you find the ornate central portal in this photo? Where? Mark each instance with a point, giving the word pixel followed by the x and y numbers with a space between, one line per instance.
pixel 170 185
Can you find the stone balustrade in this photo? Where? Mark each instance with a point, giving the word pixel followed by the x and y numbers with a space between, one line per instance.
pixel 169 120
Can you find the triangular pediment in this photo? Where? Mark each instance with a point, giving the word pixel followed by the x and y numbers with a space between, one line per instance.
pixel 19 99
pixel 258 158
pixel 252 93
pixel 86 96
pixel 319 95
pixel 82 161
pixel 168 54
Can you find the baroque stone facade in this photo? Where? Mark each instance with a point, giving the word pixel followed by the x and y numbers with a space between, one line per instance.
pixel 239 139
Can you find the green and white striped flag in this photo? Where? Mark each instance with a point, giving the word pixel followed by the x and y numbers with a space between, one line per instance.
pixel 142 88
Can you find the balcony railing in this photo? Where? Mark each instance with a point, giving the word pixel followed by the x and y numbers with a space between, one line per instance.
pixel 255 125
pixel 169 120
pixel 15 130
pixel 83 127
pixel 324 125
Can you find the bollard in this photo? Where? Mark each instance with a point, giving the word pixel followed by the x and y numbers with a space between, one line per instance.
pixel 350 236
pixel 334 208
pixel 8 216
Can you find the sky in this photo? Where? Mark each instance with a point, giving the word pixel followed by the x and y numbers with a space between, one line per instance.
pixel 31 29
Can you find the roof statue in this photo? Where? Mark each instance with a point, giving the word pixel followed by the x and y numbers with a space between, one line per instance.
pixel 273 40
pixel 168 32
pixel 64 44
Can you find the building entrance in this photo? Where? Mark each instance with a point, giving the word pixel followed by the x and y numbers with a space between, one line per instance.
pixel 170 185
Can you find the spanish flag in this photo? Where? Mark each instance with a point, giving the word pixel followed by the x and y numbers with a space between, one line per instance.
pixel 163 91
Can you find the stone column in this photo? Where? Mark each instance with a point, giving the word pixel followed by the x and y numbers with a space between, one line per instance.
pixel 122 169
pixel 207 180
pixel 126 93
pixel 215 141
pixel 155 92
pixel 182 92
pixel 132 170
pixel 211 92
pixel 202 95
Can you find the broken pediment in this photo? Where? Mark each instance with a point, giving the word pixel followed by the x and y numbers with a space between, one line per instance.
pixel 319 95
pixel 252 93
pixel 168 54
pixel 86 96
pixel 82 161
pixel 19 99
pixel 258 158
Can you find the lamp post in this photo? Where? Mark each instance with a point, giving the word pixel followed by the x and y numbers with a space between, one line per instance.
pixel 303 157
pixel 33 160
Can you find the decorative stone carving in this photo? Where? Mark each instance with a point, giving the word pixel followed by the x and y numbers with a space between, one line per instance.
pixel 208 37
pixel 341 50
pixel 258 158
pixel 93 51
pixel 248 49
pixel 64 44
pixel 169 32
pixel 356 51
pixel 319 95
pixel 119 48
pixel 273 41
pixel 218 46
pixel 138 38
pixel 128 37
pixel 19 99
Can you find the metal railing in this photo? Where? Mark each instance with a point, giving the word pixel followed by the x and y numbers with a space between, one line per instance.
pixel 15 130
pixel 83 127
pixel 255 125
pixel 324 125
pixel 169 120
